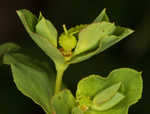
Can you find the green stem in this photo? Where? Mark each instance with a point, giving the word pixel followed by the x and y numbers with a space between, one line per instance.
pixel 60 72
pixel 59 81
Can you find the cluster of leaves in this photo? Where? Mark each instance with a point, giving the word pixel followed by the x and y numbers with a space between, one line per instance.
pixel 35 77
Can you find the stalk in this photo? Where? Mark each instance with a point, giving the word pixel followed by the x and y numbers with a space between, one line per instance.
pixel 60 73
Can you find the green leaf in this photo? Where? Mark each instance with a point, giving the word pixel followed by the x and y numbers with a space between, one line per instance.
pixel 102 16
pixel 33 77
pixel 29 21
pixel 108 104
pixel 132 82
pixel 117 35
pixel 131 88
pixel 63 102
pixel 90 36
pixel 77 110
pixel 46 29
pixel 77 28
pixel 7 48
pixel 90 86
pixel 106 94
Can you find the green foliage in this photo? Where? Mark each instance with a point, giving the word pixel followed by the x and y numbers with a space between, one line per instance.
pixel 6 48
pixel 77 29
pixel 77 110
pixel 90 37
pixel 102 90
pixel 33 78
pixel 93 38
pixel 47 30
pixel 44 43
pixel 102 16
pixel 110 103
pixel 105 95
pixel 63 102
pixel 36 79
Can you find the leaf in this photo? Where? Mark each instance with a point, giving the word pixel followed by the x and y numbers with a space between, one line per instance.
pixel 132 81
pixel 106 94
pixel 34 78
pixel 90 86
pixel 90 36
pixel 29 21
pixel 108 104
pixel 77 28
pixel 102 16
pixel 77 110
pixel 46 29
pixel 131 88
pixel 117 35
pixel 63 102
pixel 6 48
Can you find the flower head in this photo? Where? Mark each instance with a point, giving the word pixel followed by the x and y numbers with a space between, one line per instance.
pixel 75 44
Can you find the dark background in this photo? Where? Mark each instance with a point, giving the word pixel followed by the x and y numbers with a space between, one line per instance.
pixel 132 52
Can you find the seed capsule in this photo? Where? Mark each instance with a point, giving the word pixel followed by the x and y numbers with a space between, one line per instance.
pixel 67 41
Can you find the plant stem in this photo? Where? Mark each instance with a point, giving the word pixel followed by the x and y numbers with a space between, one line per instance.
pixel 60 72
pixel 59 80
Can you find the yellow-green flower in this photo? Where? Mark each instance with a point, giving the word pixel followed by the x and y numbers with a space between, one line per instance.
pixel 75 44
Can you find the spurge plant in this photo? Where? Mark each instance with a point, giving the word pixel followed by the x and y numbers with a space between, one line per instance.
pixel 36 78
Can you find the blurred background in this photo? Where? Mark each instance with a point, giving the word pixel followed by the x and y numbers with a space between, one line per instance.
pixel 132 52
